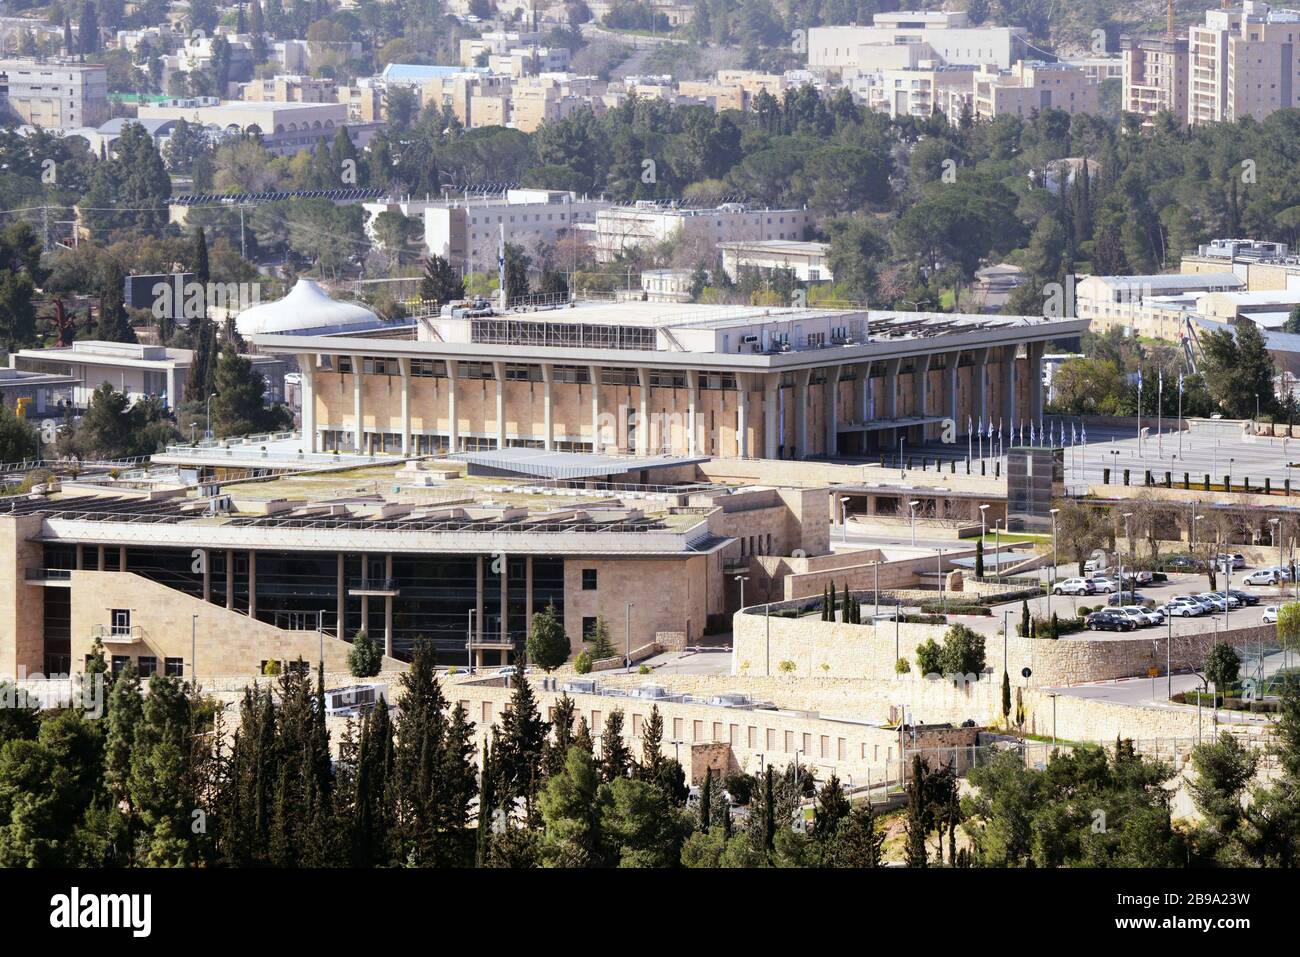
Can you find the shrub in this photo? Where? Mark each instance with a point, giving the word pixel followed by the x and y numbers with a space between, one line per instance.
pixel 643 670
pixel 582 663
pixel 786 667
pixel 365 657
pixel 902 667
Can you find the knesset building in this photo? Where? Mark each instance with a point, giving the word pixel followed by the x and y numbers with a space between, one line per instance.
pixel 639 378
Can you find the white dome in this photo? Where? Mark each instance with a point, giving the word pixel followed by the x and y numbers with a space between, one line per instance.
pixel 307 308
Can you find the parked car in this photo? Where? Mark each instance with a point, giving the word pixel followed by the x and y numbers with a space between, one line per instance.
pixel 1108 620
pixel 1074 586
pixel 1245 598
pixel 1183 563
pixel 1103 585
pixel 1183 607
pixel 1127 597
pixel 1213 599
pixel 1263 576
pixel 1236 560
pixel 1270 615
pixel 1144 617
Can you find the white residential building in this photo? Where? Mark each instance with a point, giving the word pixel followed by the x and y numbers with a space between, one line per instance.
pixel 647 224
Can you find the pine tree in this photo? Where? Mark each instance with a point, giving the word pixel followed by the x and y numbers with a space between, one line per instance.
pixel 557 748
pixel 113 325
pixel 571 808
pixel 831 602
pixel 652 735
pixel 918 814
pixel 615 759
pixel 582 739
pixel 523 742
pixel 832 807
pixel 440 282
pixel 706 802
pixel 601 644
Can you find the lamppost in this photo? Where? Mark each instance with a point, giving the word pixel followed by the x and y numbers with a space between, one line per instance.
pixel 997 546
pixel 1052 695
pixel 194 670
pixel 742 579
pixel 627 634
pixel 983 527
pixel 469 640
pixel 1051 579
pixel 943 597
pixel 208 432
pixel 877 615
pixel 911 507
pixel 1128 542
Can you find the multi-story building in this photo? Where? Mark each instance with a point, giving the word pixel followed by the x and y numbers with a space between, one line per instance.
pixel 285 128
pixel 945 35
pixel 642 378
pixel 1155 76
pixel 1140 305
pixel 263 572
pixel 55 94
pixel 1242 63
pixel 647 224
pixel 806 260
pixel 917 91
pixel 467 231
pixel 139 371
pixel 535 100
pixel 1032 86
pixel 290 88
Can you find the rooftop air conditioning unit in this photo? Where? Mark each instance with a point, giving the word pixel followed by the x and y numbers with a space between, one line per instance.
pixel 340 700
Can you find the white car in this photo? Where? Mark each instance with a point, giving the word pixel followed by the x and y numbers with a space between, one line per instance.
pixel 1074 586
pixel 1270 615
pixel 1213 599
pixel 1263 576
pixel 1183 608
pixel 1104 585
pixel 1142 615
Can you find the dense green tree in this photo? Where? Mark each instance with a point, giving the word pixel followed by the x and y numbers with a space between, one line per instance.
pixel 548 645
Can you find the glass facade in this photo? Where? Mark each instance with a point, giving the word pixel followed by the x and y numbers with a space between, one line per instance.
pixel 434 593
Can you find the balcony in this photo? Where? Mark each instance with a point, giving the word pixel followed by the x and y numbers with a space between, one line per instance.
pixel 382 587
pixel 118 634
pixel 58 577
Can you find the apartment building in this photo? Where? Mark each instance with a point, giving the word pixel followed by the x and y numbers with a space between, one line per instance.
pixel 1030 87
pixel 475 51
pixel 1147 305
pixel 535 100
pixel 289 88
pixel 54 94
pixel 286 128
pixel 917 91
pixel 467 231
pixel 364 100
pixel 1242 63
pixel 647 223
pixel 1155 76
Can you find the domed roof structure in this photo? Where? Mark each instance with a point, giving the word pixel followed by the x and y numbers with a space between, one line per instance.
pixel 306 309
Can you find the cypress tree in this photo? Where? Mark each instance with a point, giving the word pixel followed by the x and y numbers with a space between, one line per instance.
pixel 706 801
pixel 486 807
pixel 615 759
pixel 582 739
pixel 561 736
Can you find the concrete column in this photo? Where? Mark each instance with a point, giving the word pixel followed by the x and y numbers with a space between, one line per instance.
pixel 548 421
pixel 594 373
pixel 121 558
pixel 81 557
pixel 643 413
pixel 307 369
pixel 358 427
pixel 207 575
pixel 173 399
pixel 1008 372
pixel 453 420
pixel 388 608
pixel 230 579
pixel 831 396
pixel 921 388
pixel 252 584
pixel 528 590
pixel 405 366
pixel 505 599
pixel 952 363
pixel 891 395
pixel 99 558
pixel 478 599
pixel 980 387
pixel 862 394
pixel 341 609
pixel 1035 383
pixel 771 388
pixel 499 371
pixel 742 414
pixel 692 398
pixel 801 379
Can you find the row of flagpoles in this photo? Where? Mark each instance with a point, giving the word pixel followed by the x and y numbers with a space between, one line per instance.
pixel 1044 434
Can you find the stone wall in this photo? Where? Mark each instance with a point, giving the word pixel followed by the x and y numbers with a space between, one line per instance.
pixel 836 650
pixel 228 643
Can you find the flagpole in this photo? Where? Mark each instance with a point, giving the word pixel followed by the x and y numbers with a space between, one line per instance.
pixel 1160 395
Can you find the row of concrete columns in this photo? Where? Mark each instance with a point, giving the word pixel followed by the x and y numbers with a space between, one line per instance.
pixel 862 410
pixel 101 555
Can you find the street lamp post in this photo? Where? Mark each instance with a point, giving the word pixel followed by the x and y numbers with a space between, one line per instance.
pixel 469 641
pixel 194 670
pixel 1051 579
pixel 1128 542
pixel 627 633
pixel 742 579
pixel 1052 695
pixel 997 547
pixel 208 431
pixel 911 507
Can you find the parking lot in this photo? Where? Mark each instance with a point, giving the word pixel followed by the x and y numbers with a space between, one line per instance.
pixel 1178 584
